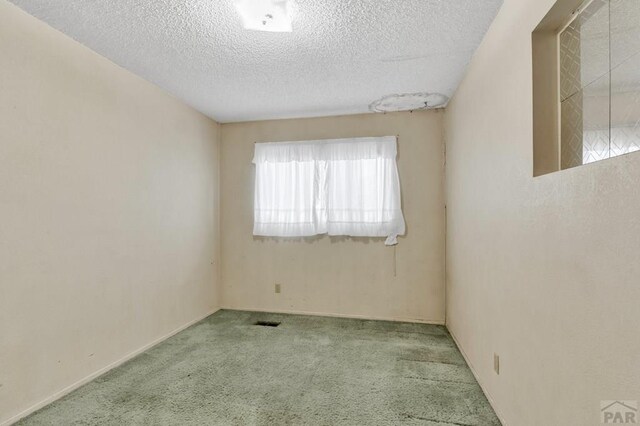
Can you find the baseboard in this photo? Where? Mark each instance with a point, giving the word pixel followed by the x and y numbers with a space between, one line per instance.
pixel 335 315
pixel 101 371
pixel 475 374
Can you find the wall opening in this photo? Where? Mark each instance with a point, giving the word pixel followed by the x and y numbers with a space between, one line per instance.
pixel 586 57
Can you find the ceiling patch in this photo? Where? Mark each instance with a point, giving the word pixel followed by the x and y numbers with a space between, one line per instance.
pixel 409 102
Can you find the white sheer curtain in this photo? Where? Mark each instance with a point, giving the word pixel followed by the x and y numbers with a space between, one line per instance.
pixel 337 186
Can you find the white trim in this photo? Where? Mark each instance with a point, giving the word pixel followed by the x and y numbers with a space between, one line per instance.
pixel 559 100
pixel 574 15
pixel 101 371
pixel 473 371
pixel 337 315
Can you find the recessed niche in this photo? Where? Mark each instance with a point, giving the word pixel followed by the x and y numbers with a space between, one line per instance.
pixel 586 84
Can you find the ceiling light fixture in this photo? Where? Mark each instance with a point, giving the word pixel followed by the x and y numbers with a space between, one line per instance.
pixel 265 15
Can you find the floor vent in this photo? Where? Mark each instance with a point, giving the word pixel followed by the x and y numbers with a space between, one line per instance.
pixel 267 323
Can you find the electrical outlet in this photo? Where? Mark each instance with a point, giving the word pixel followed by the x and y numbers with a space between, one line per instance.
pixel 496 363
pixel 277 288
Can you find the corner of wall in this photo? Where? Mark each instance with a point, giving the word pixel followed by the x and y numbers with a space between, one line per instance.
pixel 218 210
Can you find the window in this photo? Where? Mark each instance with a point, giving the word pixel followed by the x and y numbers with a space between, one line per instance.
pixel 600 82
pixel 587 63
pixel 336 187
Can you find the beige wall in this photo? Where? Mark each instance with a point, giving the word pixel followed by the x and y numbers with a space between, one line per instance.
pixel 338 276
pixel 543 271
pixel 108 224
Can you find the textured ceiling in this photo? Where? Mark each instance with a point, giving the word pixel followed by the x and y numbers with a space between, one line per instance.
pixel 341 56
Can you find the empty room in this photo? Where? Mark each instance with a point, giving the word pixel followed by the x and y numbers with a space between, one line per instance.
pixel 320 212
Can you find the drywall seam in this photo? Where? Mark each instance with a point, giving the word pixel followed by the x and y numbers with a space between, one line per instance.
pixel 103 370
pixel 335 315
pixel 473 371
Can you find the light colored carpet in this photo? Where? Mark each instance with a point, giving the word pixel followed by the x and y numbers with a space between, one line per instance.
pixel 225 370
